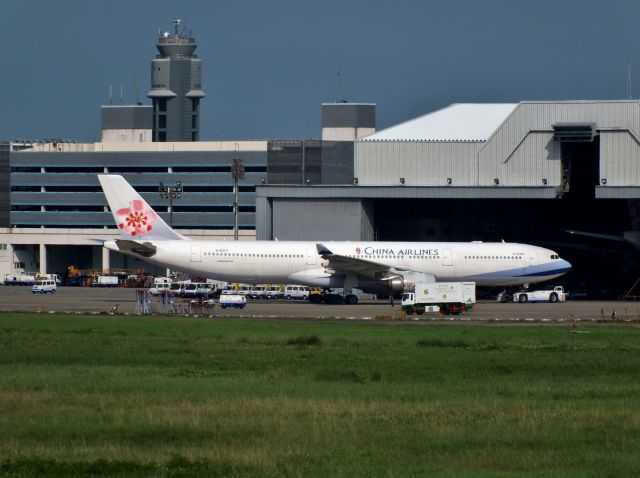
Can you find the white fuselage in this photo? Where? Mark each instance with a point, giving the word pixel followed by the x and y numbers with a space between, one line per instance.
pixel 298 262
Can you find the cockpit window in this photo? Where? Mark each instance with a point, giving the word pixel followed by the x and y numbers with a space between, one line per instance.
pixel 555 256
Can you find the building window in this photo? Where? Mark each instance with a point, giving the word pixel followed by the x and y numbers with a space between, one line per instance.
pixel 162 121
pixel 18 265
pixel 3 247
pixel 162 104
pixel 194 121
pixel 162 136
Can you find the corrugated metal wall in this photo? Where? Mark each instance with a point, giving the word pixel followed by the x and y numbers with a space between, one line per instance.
pixel 536 158
pixel 518 137
pixel 383 163
pixel 521 153
pixel 619 158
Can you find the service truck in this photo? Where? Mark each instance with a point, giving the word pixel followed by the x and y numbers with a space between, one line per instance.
pixel 552 294
pixel 230 298
pixel 446 297
pixel 105 281
pixel 19 278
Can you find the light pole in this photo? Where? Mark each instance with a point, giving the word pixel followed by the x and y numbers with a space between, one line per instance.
pixel 170 193
pixel 237 173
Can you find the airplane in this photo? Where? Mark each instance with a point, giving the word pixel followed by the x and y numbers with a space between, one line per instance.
pixel 631 237
pixel 374 267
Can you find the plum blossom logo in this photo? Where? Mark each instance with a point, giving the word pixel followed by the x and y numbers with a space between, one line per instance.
pixel 135 220
pixel 358 250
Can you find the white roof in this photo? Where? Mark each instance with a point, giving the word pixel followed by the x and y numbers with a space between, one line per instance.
pixel 458 122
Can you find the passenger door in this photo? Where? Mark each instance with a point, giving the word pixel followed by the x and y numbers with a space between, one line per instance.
pixel 195 254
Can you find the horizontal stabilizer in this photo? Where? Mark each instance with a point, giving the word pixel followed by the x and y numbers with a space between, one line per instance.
pixel 145 249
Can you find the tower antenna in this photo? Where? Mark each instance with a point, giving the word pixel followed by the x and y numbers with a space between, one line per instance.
pixel 629 81
pixel 340 96
pixel 176 25
pixel 136 100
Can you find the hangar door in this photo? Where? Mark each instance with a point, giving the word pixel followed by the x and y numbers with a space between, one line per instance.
pixel 580 158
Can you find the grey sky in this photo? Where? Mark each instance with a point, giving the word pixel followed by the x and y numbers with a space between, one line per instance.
pixel 269 64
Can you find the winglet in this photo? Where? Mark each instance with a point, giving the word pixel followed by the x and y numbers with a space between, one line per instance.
pixel 323 250
pixel 134 217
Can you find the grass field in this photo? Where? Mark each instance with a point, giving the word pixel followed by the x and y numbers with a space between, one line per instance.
pixel 116 396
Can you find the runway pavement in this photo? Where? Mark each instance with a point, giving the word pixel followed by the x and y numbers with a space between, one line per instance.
pixel 105 300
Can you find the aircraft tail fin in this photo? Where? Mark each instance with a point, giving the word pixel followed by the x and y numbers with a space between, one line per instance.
pixel 134 217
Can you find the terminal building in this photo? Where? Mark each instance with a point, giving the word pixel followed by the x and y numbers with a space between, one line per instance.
pixel 521 172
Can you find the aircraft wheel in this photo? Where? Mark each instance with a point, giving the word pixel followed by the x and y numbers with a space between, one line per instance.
pixel 351 299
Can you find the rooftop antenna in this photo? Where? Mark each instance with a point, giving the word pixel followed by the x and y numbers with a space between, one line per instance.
pixel 629 81
pixel 340 97
pixel 110 94
pixel 176 25
pixel 136 100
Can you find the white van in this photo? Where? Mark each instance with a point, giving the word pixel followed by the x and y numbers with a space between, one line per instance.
pixel 44 286
pixel 258 292
pixel 274 292
pixel 158 288
pixel 293 291
pixel 198 289
pixel 177 288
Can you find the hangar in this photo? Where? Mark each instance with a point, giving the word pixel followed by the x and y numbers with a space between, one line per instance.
pixel 525 172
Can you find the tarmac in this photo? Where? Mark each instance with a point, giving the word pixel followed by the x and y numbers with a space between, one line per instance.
pixel 131 301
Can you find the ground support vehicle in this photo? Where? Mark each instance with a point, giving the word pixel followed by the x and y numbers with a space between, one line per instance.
pixel 236 288
pixel 160 285
pixel 448 297
pixel 19 279
pixel 333 296
pixel 44 286
pixel 231 299
pixel 258 292
pixel 555 294
pixel 198 290
pixel 294 291
pixel 53 277
pixel 105 281
pixel 274 292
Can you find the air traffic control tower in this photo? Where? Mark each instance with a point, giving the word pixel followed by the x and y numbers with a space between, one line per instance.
pixel 176 76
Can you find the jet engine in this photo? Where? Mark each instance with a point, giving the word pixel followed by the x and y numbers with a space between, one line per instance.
pixel 397 284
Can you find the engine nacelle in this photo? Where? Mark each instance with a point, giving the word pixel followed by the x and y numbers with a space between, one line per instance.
pixel 397 284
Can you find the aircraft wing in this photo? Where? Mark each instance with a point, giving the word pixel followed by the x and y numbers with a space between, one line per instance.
pixel 360 267
pixel 609 237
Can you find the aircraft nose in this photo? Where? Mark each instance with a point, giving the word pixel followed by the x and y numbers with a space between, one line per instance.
pixel 566 265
